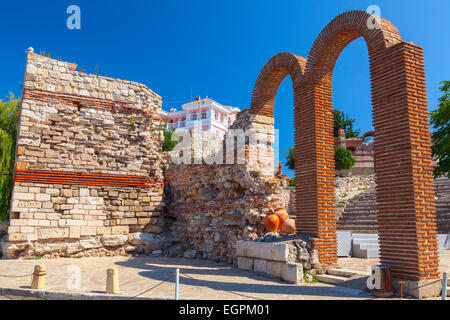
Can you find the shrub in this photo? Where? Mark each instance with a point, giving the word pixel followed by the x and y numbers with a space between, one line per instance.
pixel 343 159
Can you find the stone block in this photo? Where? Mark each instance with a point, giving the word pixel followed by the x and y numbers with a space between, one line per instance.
pixel 95 223
pixel 260 265
pixel 245 263
pixel 274 268
pixel 114 240
pixel 75 232
pixel 90 243
pixel 292 272
pixel 53 233
pixel 23 196
pixel 120 230
pixel 88 231
pixel 277 252
pixel 42 197
pixel 241 248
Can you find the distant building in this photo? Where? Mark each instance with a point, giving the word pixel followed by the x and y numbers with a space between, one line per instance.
pixel 205 114
pixel 362 152
pixel 278 173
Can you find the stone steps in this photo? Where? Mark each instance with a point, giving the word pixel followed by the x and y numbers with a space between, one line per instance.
pixel 359 213
pixel 339 275
pixel 330 279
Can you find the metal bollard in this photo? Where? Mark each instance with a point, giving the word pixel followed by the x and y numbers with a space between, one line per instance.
pixel 444 286
pixel 177 283
pixel 112 281
pixel 400 286
pixel 38 280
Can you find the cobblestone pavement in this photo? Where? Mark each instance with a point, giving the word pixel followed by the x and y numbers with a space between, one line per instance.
pixel 137 274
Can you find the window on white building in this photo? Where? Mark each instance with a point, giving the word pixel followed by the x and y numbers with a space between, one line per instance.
pixel 194 115
pixel 204 115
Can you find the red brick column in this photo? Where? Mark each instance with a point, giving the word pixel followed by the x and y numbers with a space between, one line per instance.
pixel 314 167
pixel 405 195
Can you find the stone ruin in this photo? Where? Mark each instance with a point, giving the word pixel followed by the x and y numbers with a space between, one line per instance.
pixel 89 169
pixel 91 178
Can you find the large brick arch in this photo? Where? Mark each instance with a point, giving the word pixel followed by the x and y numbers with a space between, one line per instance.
pixel 405 196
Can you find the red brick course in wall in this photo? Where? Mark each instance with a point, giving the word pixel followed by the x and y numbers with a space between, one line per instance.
pixel 405 196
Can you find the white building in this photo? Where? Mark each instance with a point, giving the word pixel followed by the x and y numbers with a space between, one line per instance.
pixel 205 114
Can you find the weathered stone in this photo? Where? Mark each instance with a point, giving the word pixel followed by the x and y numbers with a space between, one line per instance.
pixel 190 254
pixel 114 240
pixel 260 265
pixel 292 272
pixel 274 268
pixel 245 263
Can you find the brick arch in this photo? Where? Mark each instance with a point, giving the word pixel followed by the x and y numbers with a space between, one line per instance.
pixel 270 78
pixel 341 31
pixel 405 196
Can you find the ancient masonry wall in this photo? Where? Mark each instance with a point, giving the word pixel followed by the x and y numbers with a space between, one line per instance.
pixel 88 175
pixel 214 206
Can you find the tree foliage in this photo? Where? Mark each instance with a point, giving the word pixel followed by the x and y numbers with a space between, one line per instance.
pixel 343 159
pixel 342 120
pixel 170 140
pixel 9 115
pixel 440 120
pixel 290 158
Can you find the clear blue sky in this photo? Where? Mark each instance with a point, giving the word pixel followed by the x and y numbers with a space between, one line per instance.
pixel 217 48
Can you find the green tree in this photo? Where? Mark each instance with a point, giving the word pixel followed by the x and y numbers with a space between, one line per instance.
pixel 9 115
pixel 170 139
pixel 342 120
pixel 290 158
pixel 343 159
pixel 440 120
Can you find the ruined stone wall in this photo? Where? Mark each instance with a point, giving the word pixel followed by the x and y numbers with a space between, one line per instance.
pixel 89 164
pixel 214 206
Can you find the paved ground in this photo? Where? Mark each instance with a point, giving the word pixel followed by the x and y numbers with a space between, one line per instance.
pixel 137 274
pixel 364 264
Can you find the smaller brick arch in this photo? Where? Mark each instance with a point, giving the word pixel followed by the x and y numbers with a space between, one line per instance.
pixel 270 78
pixel 368 134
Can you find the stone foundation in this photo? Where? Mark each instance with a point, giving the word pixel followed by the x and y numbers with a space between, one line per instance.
pixel 286 259
pixel 88 246
pixel 418 289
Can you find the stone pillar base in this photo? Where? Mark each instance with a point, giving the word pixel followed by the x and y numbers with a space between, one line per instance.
pixel 418 288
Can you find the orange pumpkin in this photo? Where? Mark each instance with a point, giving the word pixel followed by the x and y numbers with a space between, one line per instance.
pixel 288 226
pixel 271 223
pixel 282 216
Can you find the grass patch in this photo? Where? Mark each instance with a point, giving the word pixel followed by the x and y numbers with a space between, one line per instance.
pixel 37 258
pixel 78 256
pixel 312 277
pixel 362 188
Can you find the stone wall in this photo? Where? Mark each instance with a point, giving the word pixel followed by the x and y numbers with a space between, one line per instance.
pixel 89 164
pixel 211 207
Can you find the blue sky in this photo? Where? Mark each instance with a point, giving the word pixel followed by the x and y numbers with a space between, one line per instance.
pixel 217 48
